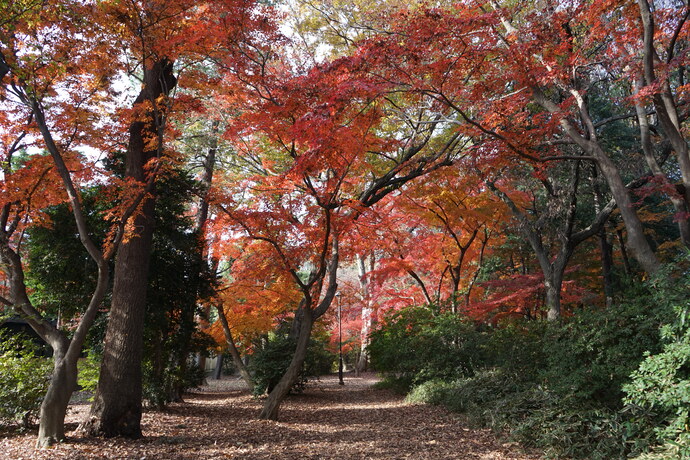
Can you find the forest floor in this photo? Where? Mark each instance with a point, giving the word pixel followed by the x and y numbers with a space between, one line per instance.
pixel 328 421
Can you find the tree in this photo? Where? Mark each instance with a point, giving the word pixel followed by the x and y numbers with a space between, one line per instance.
pixel 41 53
pixel 321 165
pixel 157 34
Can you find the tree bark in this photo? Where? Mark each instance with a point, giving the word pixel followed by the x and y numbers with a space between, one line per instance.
pixel 667 114
pixel 65 351
pixel 208 164
pixel 116 410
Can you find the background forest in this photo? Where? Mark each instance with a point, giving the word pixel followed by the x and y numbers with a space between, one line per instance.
pixel 488 200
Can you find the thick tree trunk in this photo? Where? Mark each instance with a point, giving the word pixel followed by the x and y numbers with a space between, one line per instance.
pixel 275 398
pixel 116 410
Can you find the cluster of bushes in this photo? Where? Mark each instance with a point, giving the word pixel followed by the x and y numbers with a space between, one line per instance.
pixel 600 384
pixel 25 374
pixel 24 378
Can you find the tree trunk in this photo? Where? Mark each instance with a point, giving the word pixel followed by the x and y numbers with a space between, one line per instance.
pixel 367 313
pixel 624 253
pixel 637 242
pixel 667 115
pixel 208 163
pixel 275 397
pixel 218 371
pixel 116 410
pixel 679 202
pixel 234 352
pixel 553 283
pixel 606 266
pixel 63 382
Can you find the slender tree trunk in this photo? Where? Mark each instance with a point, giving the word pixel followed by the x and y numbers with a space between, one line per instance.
pixel 624 253
pixel 679 202
pixel 116 410
pixel 606 266
pixel 208 163
pixel 473 281
pixel 553 282
pixel 367 313
pixel 637 242
pixel 234 352
pixel 218 371
pixel 667 114
pixel 275 398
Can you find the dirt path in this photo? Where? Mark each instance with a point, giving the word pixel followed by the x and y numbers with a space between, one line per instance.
pixel 328 421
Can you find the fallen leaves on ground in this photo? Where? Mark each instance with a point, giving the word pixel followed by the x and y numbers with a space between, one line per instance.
pixel 328 421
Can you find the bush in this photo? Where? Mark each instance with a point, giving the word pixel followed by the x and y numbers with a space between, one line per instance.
pixel 591 355
pixel 662 381
pixel 532 415
pixel 89 369
pixel 272 358
pixel 24 379
pixel 414 345
pixel 161 386
pixel 553 386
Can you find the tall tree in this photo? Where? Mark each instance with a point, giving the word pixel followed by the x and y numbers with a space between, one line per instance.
pixel 55 78
pixel 117 404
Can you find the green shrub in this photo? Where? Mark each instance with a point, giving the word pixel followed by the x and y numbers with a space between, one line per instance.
pixel 24 379
pixel 662 381
pixel 88 371
pixel 517 347
pixel 431 392
pixel 414 345
pixel 553 386
pixel 532 415
pixel 591 355
pixel 272 358
pixel 160 386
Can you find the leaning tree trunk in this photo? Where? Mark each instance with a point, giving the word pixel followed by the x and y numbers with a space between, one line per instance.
pixel 63 380
pixel 234 352
pixel 276 396
pixel 117 407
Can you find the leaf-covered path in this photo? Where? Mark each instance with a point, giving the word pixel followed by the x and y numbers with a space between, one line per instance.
pixel 328 421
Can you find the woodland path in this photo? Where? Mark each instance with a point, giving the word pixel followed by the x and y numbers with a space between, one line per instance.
pixel 328 421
